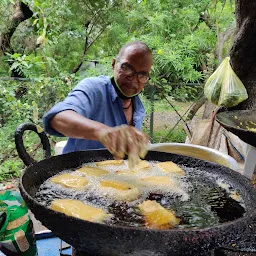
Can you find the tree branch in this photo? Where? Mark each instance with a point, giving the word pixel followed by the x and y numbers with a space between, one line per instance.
pixel 76 69
pixel 222 38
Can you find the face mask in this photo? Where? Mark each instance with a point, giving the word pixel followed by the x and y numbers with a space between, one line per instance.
pixel 123 95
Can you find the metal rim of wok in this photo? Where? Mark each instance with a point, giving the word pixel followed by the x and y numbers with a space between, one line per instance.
pixel 231 121
pixel 118 240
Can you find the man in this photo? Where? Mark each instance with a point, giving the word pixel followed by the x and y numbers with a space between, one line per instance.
pixel 102 112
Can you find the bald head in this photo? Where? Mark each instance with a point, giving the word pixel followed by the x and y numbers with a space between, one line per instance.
pixel 132 67
pixel 138 45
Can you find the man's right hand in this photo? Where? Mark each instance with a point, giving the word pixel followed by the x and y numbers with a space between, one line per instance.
pixel 125 140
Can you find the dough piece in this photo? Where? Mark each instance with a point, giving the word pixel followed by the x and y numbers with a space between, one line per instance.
pixel 92 171
pixel 143 165
pixel 125 172
pixel 156 216
pixel 170 167
pixel 118 190
pixel 110 162
pixel 70 181
pixel 79 210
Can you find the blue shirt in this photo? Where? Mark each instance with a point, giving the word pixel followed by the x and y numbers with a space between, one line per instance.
pixel 94 98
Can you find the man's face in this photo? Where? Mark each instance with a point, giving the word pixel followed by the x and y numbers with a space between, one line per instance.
pixel 132 70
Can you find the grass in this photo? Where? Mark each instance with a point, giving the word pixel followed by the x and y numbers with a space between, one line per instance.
pixel 162 131
pixel 161 105
pixel 177 135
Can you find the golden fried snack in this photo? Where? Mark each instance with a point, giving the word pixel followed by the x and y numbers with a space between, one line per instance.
pixel 70 181
pixel 125 172
pixel 143 165
pixel 92 171
pixel 170 167
pixel 110 162
pixel 118 190
pixel 156 216
pixel 79 210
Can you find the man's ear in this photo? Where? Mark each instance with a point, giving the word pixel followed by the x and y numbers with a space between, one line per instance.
pixel 113 64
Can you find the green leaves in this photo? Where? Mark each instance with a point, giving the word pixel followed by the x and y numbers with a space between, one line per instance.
pixel 28 65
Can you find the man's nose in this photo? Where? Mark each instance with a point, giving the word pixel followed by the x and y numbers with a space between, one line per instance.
pixel 134 77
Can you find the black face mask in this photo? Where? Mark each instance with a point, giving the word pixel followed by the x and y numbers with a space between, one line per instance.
pixel 119 93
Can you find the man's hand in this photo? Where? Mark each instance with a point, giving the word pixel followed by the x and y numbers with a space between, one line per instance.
pixel 125 140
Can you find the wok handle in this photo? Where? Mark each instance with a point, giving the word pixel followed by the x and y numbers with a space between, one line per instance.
pixel 221 109
pixel 25 157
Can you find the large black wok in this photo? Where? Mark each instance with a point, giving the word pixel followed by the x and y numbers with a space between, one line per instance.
pixel 101 239
pixel 240 122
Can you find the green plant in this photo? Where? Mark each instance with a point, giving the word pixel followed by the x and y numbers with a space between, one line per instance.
pixel 29 65
pixel 177 135
pixel 10 168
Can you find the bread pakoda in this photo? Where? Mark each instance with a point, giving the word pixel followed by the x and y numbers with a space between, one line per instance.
pixel 79 210
pixel 109 162
pixel 92 171
pixel 170 167
pixel 118 190
pixel 156 216
pixel 70 181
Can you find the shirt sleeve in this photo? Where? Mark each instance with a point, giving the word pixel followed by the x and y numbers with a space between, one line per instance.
pixel 80 100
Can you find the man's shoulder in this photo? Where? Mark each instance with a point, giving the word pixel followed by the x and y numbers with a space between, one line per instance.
pixel 94 82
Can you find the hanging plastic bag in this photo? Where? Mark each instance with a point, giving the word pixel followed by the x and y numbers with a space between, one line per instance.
pixel 224 88
pixel 16 228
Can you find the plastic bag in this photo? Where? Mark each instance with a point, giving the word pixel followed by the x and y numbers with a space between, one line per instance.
pixel 224 88
pixel 16 228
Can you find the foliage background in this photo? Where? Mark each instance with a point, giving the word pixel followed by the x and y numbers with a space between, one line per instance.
pixel 65 41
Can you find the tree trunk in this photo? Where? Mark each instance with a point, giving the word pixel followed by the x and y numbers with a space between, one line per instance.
pixel 21 12
pixel 243 52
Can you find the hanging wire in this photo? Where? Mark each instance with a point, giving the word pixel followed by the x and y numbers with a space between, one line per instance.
pixel 181 117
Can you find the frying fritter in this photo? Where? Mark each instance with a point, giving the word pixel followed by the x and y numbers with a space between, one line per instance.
pixel 170 167
pixel 125 172
pixel 143 165
pixel 156 216
pixel 79 210
pixel 118 190
pixel 70 181
pixel 110 162
pixel 92 171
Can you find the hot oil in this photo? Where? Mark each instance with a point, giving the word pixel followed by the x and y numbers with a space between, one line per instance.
pixel 196 198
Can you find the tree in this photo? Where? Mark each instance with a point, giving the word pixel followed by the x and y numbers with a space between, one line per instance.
pixel 243 52
pixel 20 13
pixel 95 23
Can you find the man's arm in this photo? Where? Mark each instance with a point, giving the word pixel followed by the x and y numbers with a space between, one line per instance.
pixel 73 125
pixel 118 140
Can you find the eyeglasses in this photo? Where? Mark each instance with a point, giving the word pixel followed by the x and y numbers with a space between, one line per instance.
pixel 128 70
